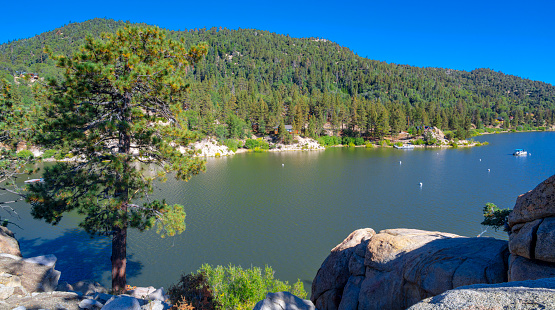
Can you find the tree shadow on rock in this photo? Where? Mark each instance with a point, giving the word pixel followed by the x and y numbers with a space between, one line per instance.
pixel 80 257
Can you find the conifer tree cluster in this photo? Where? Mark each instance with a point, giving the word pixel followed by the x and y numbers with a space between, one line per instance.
pixel 260 79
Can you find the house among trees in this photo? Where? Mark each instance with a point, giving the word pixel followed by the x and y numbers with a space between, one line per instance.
pixel 289 129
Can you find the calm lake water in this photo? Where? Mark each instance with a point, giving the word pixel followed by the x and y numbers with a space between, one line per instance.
pixel 288 210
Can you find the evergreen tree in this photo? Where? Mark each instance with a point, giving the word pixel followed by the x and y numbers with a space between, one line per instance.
pixel 106 110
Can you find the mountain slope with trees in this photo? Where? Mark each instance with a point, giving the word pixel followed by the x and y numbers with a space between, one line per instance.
pixel 256 80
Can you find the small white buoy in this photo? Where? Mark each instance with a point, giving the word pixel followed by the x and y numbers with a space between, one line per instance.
pixel 480 159
pixel 488 170
pixel 399 162
pixel 437 153
pixel 283 165
pixel 420 184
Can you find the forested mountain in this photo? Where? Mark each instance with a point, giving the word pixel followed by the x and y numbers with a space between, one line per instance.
pixel 258 79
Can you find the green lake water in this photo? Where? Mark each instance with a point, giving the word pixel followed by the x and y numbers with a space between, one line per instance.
pixel 288 210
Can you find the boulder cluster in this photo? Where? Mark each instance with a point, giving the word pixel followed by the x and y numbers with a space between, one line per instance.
pixel 532 234
pixel 396 268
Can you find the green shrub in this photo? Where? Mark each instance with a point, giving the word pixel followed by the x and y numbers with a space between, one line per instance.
pixel 418 142
pixel 329 140
pixel 254 144
pixel 454 144
pixel 49 153
pixel 220 132
pixel 351 144
pixel 359 141
pixel 495 217
pixel 229 287
pixel 347 140
pixel 232 144
pixel 59 156
pixel 25 154
pixel 369 145
pixel 398 143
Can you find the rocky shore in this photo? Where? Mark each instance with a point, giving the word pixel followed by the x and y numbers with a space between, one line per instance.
pixel 211 148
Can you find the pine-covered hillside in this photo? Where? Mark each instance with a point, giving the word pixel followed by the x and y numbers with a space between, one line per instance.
pixel 259 79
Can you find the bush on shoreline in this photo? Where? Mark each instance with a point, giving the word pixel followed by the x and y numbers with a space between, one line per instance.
pixel 257 145
pixel 230 287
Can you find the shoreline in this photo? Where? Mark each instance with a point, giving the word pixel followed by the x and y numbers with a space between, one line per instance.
pixel 210 147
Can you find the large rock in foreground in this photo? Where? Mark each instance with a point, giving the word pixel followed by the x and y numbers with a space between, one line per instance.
pixel 50 300
pixel 283 301
pixel 37 274
pixel 399 267
pixel 535 204
pixel 8 243
pixel 522 295
pixel 532 234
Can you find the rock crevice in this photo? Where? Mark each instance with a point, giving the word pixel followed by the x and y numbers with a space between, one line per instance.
pixel 532 234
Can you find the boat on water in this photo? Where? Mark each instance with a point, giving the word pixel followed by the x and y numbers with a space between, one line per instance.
pixel 34 181
pixel 520 152
pixel 404 147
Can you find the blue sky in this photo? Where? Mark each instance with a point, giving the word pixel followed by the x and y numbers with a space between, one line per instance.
pixel 514 37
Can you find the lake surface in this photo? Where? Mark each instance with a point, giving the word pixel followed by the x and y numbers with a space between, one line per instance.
pixel 288 210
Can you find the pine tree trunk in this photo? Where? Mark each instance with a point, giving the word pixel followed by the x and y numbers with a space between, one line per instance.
pixel 119 259
pixel 119 237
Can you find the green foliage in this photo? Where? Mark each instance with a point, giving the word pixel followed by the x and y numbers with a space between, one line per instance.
pixel 348 141
pixel 369 145
pixel 330 84
pixel 495 217
pixel 232 144
pixel 236 127
pixel 13 129
pixel 237 288
pixel 418 142
pixel 258 145
pixel 141 74
pixel 359 141
pixel 25 154
pixel 329 140
pixel 49 153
